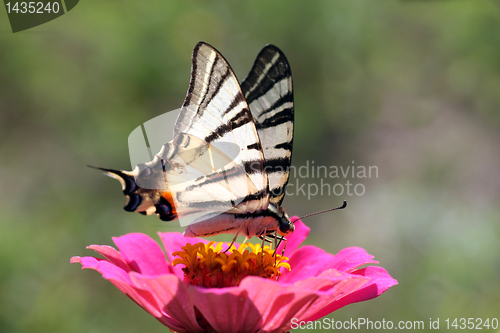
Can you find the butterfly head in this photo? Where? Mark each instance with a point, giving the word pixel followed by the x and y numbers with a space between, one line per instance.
pixel 286 226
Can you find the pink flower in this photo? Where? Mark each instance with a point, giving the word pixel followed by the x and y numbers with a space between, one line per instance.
pixel 317 284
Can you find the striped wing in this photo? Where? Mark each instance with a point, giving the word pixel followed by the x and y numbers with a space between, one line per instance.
pixel 268 92
pixel 215 110
pixel 198 174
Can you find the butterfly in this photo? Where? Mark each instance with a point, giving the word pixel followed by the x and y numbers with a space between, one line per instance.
pixel 227 166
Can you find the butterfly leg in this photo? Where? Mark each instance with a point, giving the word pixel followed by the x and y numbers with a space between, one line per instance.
pixel 274 237
pixel 264 238
pixel 273 240
pixel 275 247
pixel 268 239
pixel 284 247
pixel 234 239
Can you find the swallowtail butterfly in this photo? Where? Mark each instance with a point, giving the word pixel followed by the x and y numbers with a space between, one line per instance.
pixel 228 163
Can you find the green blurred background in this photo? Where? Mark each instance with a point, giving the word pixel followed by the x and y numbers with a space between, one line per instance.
pixel 412 87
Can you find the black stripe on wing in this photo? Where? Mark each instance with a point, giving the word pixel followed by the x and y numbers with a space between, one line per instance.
pixel 276 119
pixel 269 93
pixel 215 110
pixel 240 119
pixel 270 67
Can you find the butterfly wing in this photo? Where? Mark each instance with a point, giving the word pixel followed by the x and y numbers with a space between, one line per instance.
pixel 216 111
pixel 198 172
pixel 268 92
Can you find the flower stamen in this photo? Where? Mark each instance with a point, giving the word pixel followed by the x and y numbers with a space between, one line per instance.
pixel 207 266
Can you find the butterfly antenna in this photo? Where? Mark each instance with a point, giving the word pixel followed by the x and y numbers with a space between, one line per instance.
pixel 344 205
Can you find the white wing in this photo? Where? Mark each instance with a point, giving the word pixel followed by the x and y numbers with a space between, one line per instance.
pixel 268 92
pixel 198 172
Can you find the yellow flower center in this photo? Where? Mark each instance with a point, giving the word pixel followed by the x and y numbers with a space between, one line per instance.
pixel 207 266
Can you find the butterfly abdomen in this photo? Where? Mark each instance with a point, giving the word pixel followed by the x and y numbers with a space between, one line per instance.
pixel 272 219
pixel 244 224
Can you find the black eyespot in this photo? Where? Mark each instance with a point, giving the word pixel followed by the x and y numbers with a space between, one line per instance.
pixel 129 185
pixel 134 200
pixel 162 209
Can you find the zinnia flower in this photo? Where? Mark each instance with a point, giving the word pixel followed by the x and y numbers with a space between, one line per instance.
pixel 246 289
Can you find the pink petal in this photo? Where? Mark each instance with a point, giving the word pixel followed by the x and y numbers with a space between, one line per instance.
pixel 330 277
pixel 379 276
pixel 330 285
pixel 351 258
pixel 121 279
pixel 318 284
pixel 313 260
pixel 296 238
pixel 174 241
pixel 111 271
pixel 142 254
pixel 172 296
pixel 146 300
pixel 75 259
pixel 111 254
pixel 116 275
pixel 227 310
pixel 348 285
pixel 379 282
pixel 306 262
pixel 257 304
pixel 87 262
